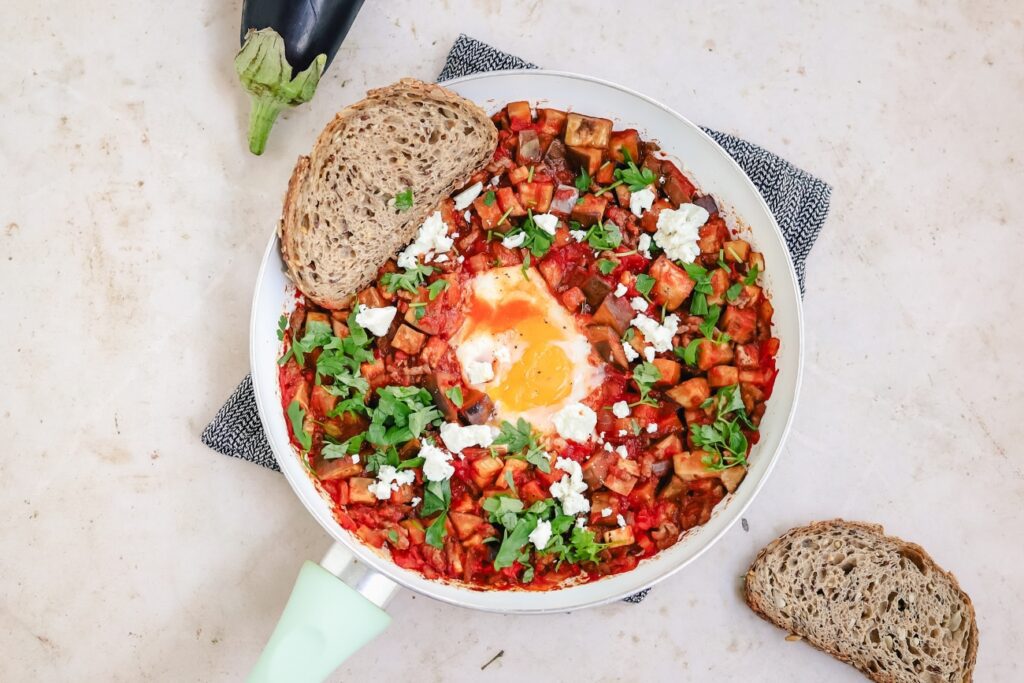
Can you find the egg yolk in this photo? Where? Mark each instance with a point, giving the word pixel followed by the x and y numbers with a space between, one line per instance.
pixel 541 358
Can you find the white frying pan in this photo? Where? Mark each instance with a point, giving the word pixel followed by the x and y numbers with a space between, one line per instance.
pixel 327 619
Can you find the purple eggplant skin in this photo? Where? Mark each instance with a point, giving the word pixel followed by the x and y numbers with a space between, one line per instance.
pixel 707 202
pixel 309 27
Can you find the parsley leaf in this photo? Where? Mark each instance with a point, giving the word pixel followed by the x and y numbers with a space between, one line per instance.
pixel 403 200
pixel 297 416
pixel 437 496
pixel 606 266
pixel 402 414
pixel 635 178
pixel 583 180
pixel 645 375
pixel 644 284
pixel 538 240
pixel 282 325
pixel 410 280
pixel 701 288
pixel 490 198
pixel 602 236
pixel 520 437
pixel 332 451
pixel 436 531
pixel 723 439
pixel 436 288
pixel 455 394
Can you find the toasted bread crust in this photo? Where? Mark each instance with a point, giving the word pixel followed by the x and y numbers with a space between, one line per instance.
pixel 758 601
pixel 329 257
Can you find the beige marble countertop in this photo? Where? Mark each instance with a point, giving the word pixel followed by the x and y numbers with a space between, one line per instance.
pixel 132 220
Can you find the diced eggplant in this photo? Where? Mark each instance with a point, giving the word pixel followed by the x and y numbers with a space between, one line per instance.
pixel 677 186
pixel 616 313
pixel 667 447
pixel 620 536
pixel 564 200
pixel 723 376
pixel 622 195
pixel 690 465
pixel 622 476
pixel 485 470
pixel 489 215
pixel 605 174
pixel 551 121
pixel 710 354
pixel 589 211
pixel 553 273
pixel 371 298
pixel 736 251
pixel 719 286
pixel 359 490
pixel 630 139
pixel 691 393
pixel 510 203
pixel 477 407
pixel 441 400
pixel 707 202
pixel 673 489
pixel 573 298
pixel 596 289
pixel 556 151
pixel 519 115
pixel 670 371
pixel 596 468
pixel 408 340
pixel 586 157
pixel 587 131
pixel 535 196
pixel 529 151
pixel 339 468
pixel 748 357
pixel 607 345
pixel 739 323
pixel 465 524
pixel 756 258
pixel 519 174
pixel 732 477
pixel 672 284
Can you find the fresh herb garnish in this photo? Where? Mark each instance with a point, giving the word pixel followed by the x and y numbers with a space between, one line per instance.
pixel 701 288
pixel 538 240
pixel 437 497
pixel 455 394
pixel 403 200
pixel 490 198
pixel 750 278
pixel 522 442
pixel 402 413
pixel 297 416
pixel 410 280
pixel 436 288
pixel 645 375
pixel 504 216
pixel 282 325
pixel 723 439
pixel 606 266
pixel 604 236
pixel 529 175
pixel 583 180
pixel 332 451
pixel 644 284
pixel 635 178
pixel 708 328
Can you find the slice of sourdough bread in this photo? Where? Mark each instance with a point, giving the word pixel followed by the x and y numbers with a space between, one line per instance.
pixel 340 222
pixel 871 600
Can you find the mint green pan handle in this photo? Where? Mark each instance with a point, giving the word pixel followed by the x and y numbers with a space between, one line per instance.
pixel 335 608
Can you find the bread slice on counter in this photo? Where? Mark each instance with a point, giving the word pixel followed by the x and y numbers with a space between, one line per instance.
pixel 871 600
pixel 340 222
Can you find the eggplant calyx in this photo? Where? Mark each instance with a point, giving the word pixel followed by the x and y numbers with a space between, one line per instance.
pixel 265 73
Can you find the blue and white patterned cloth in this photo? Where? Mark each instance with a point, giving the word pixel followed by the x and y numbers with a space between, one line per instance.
pixel 798 200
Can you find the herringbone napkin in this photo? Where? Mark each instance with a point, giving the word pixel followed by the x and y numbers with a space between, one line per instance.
pixel 798 200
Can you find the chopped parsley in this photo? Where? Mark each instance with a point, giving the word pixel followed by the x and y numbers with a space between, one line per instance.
pixel 437 497
pixel 490 198
pixel 332 451
pixel 522 443
pixel 699 298
pixel 538 240
pixel 606 266
pixel 603 236
pixel 750 278
pixel 644 284
pixel 435 288
pixel 583 180
pixel 455 395
pixel 723 439
pixel 709 329
pixel 645 375
pixel 518 522
pixel 634 178
pixel 402 413
pixel 403 200
pixel 282 325
pixel 410 280
pixel 297 416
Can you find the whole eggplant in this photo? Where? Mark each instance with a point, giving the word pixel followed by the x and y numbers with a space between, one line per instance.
pixel 286 46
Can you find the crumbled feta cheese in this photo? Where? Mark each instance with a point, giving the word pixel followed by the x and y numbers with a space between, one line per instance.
pixel 416 500
pixel 621 520
pixel 547 222
pixel 631 354
pixel 441 258
pixel 608 447
pixel 468 216
pixel 502 354
pixel 621 450
pixel 600 437
pixel 355 459
pixel 651 428
pixel 466 197
pixel 607 512
pixel 376 320
pixel 679 230
pixel 457 438
pixel 575 422
pixel 389 479
pixel 641 201
pixel 620 409
pixel 540 536
pixel 638 303
pixel 658 335
pixel 460 259
pixel 643 245
pixel 479 372
pixel 581 522
pixel 514 241
pixel 495 180
pixel 436 463
pixel 620 289
pixel 569 489
pixel 623 432
pixel 432 239
pixel 649 353
pixel 578 235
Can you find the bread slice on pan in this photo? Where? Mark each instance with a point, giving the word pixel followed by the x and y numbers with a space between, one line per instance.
pixel 340 222
pixel 871 600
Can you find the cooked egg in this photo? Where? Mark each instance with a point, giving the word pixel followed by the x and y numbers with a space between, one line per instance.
pixel 541 360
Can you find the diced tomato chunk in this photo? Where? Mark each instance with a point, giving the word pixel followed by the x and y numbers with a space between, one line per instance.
pixel 510 203
pixel 536 196
pixel 739 323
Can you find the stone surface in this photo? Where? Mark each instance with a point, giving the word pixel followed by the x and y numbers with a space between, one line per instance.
pixel 133 220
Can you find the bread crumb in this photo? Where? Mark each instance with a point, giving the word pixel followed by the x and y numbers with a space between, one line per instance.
pixel 792 638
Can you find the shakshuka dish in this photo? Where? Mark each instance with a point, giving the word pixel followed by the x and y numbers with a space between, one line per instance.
pixel 560 376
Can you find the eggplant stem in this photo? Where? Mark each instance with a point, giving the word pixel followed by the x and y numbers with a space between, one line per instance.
pixel 265 109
